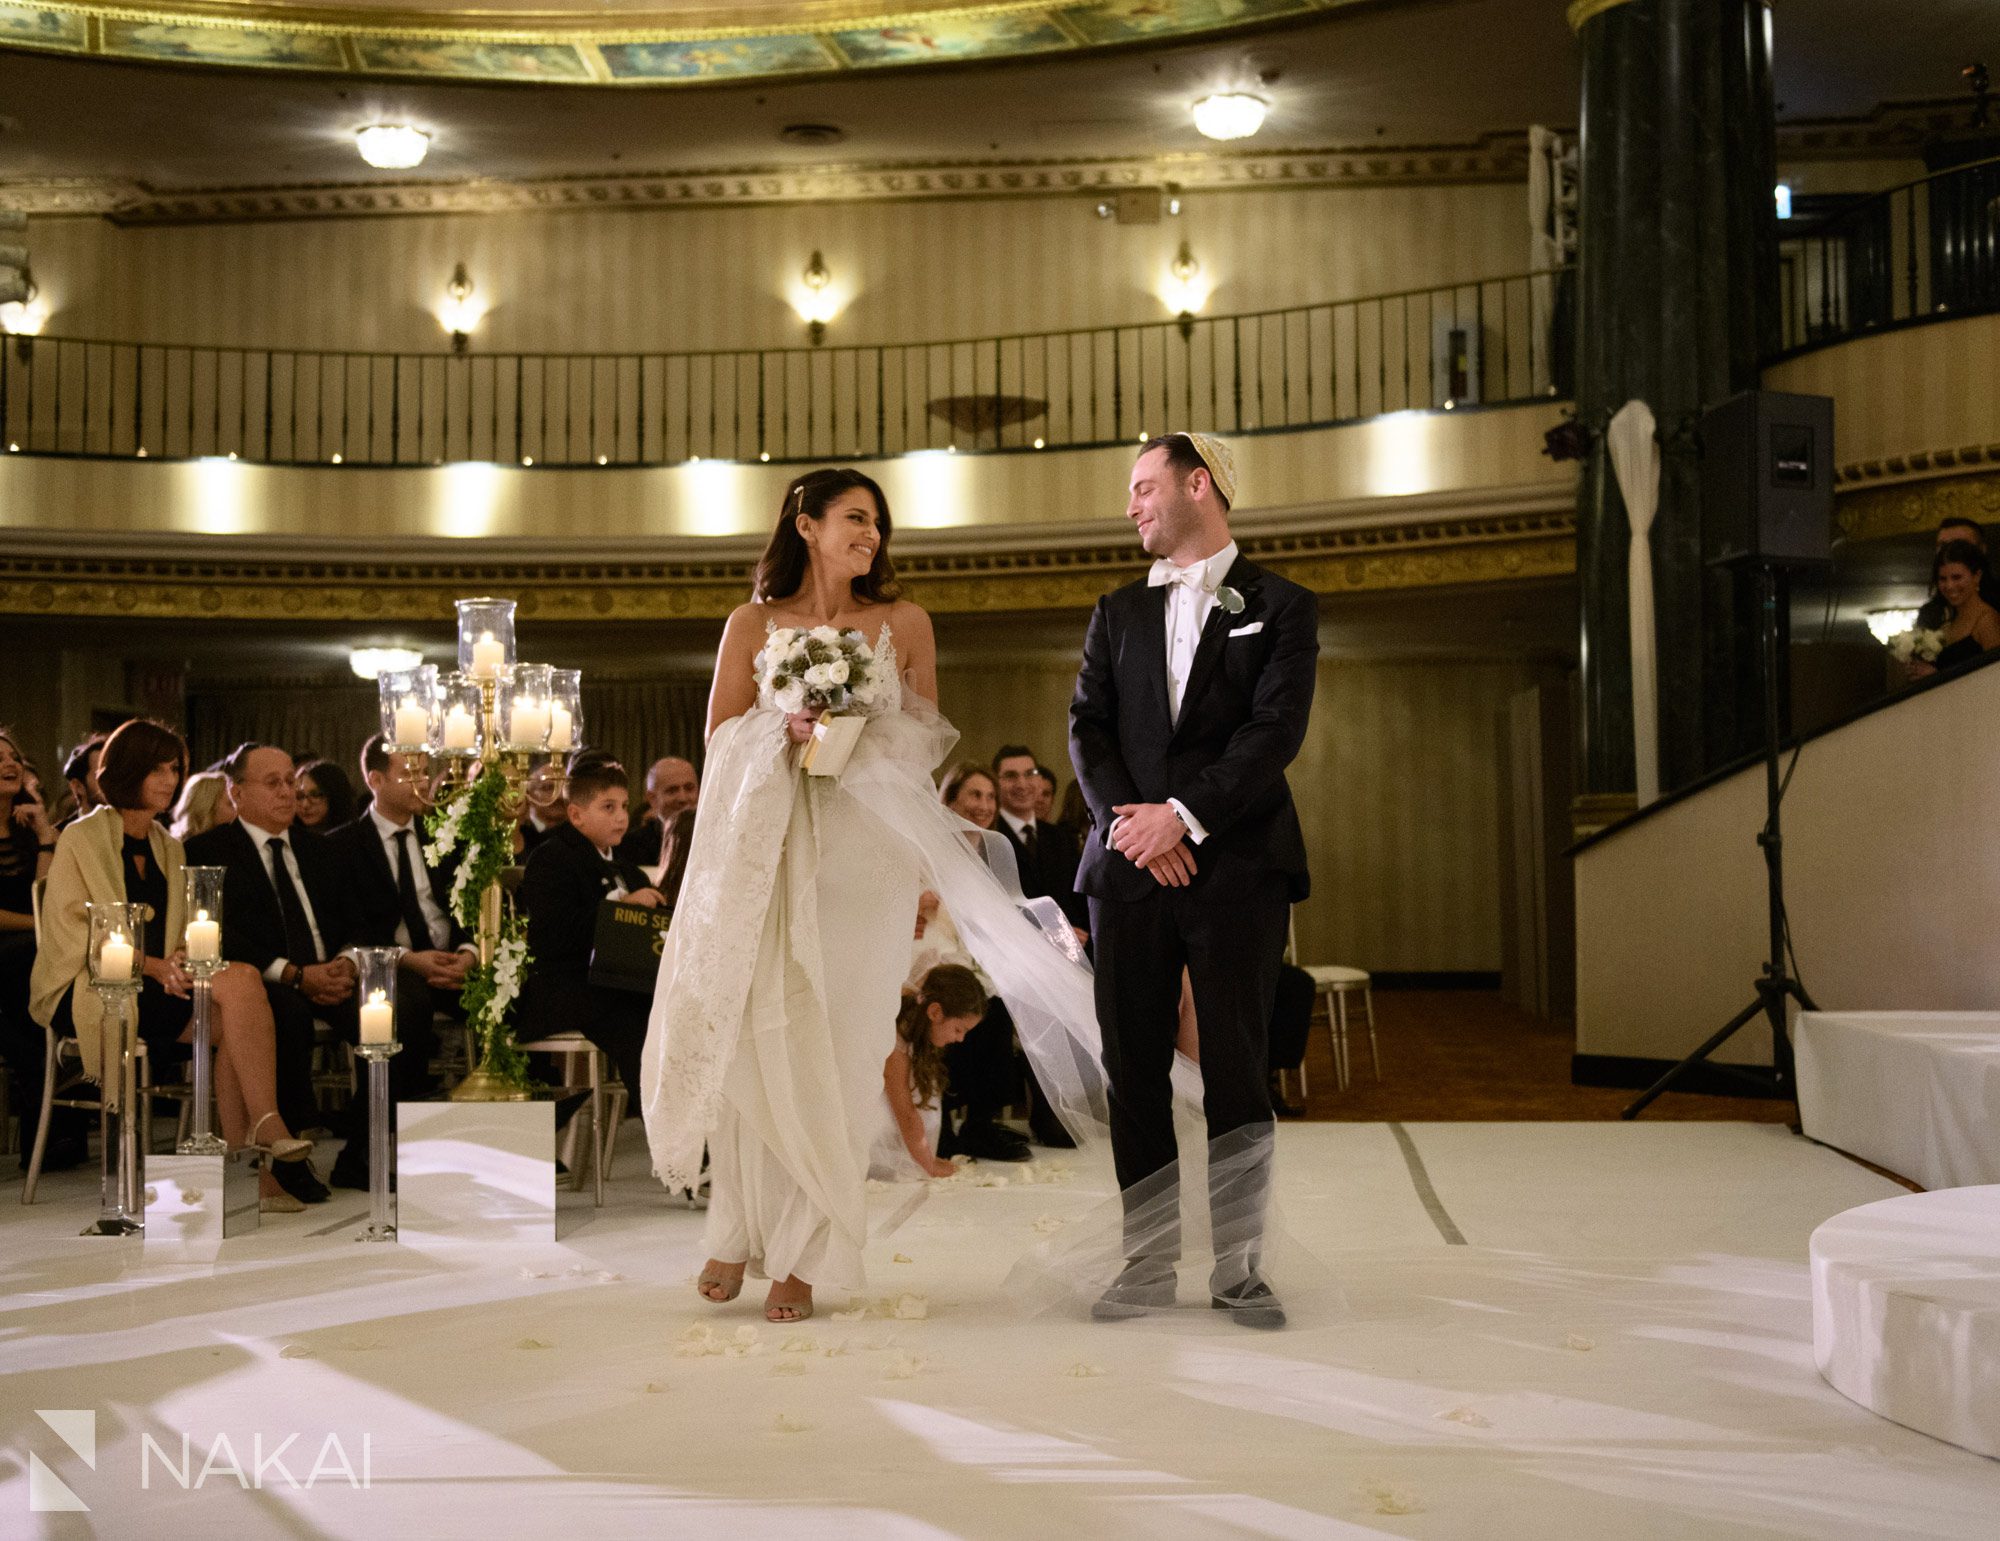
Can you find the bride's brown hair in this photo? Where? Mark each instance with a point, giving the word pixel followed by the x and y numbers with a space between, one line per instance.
pixel 783 566
pixel 958 991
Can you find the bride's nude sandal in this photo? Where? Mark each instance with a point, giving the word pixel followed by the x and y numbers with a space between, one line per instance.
pixel 788 1312
pixel 710 1279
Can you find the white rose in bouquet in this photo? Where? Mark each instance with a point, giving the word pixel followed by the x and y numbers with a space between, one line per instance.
pixel 783 637
pixel 819 676
pixel 837 672
pixel 1921 644
pixel 825 634
pixel 791 699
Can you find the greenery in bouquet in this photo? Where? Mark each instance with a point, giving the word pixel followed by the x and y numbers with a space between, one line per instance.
pixel 818 670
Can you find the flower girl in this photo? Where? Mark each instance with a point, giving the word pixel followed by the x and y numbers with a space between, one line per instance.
pixel 947 1004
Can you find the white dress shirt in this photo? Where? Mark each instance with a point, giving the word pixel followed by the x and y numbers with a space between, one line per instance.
pixel 434 917
pixel 264 838
pixel 1189 605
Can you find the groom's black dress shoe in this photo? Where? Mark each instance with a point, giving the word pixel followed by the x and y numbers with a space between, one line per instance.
pixel 1142 1287
pixel 1249 1304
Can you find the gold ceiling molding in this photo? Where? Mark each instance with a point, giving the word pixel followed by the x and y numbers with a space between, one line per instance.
pixel 1496 158
pixel 1581 11
pixel 1914 465
pixel 701 43
pixel 1424 552
pixel 1919 507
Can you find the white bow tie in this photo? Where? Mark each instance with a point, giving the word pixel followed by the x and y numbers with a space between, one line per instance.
pixel 1165 572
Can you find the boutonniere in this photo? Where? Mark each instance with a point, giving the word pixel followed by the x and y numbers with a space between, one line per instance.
pixel 1229 599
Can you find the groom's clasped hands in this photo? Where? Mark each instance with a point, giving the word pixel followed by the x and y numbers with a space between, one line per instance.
pixel 1151 835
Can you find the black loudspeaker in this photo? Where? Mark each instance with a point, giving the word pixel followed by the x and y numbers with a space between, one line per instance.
pixel 1767 479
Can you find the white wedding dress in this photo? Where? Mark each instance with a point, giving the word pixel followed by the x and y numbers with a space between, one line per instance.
pixel 777 996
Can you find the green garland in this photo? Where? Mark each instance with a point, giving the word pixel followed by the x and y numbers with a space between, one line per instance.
pixel 475 824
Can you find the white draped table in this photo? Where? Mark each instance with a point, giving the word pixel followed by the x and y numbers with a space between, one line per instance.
pixel 1915 1092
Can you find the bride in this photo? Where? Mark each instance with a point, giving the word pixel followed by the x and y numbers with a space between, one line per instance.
pixel 777 997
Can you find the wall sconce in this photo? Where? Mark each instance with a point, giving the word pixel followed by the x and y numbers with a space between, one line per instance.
pixel 1184 293
pixel 817 308
pixel 459 313
pixel 23 319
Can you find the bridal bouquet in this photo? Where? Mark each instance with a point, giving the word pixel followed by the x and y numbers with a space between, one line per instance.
pixel 822 669
pixel 1918 643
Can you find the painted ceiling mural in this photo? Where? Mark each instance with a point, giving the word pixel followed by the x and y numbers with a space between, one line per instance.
pixel 612 47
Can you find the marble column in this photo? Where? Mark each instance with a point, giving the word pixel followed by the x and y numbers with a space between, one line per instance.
pixel 1677 304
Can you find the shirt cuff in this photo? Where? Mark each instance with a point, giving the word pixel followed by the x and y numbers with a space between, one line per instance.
pixel 1196 832
pixel 275 970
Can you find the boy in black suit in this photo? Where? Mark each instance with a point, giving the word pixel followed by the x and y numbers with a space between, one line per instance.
pixel 568 875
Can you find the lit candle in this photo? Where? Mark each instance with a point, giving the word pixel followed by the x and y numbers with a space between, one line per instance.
pixel 562 727
pixel 114 958
pixel 204 939
pixel 413 725
pixel 460 731
pixel 528 724
pixel 488 657
pixel 378 1019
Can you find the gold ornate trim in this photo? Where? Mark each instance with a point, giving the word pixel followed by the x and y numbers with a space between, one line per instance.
pixel 1915 465
pixel 712 44
pixel 1581 11
pixel 1353 558
pixel 1918 507
pixel 1498 158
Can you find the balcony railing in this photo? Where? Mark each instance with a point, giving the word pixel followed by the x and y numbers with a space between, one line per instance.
pixel 1486 342
pixel 1922 251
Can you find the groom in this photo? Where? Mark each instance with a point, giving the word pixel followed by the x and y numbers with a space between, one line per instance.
pixel 1193 698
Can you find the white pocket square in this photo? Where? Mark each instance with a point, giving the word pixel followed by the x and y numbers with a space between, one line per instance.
pixel 1246 631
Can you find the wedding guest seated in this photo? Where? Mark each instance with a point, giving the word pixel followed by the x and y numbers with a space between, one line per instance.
pixel 80 771
pixel 287 913
pixel 396 899
pixel 204 803
pixel 946 1005
pixel 120 852
pixel 569 874
pixel 671 785
pixel 1045 798
pixel 1973 625
pixel 325 796
pixel 1936 610
pixel 984 1077
pixel 27 846
pixel 535 824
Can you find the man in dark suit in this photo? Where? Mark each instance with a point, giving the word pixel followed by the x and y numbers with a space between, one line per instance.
pixel 398 900
pixel 671 785
pixel 568 876
pixel 286 912
pixel 1192 700
pixel 1047 856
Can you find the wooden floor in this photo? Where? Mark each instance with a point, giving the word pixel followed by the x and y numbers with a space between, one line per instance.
pixel 1468 1055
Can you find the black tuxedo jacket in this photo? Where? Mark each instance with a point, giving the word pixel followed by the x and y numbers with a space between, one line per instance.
pixel 1243 717
pixel 564 882
pixel 376 907
pixel 1051 874
pixel 253 929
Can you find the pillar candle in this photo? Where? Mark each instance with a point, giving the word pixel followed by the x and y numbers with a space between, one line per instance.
pixel 488 657
pixel 413 725
pixel 528 724
pixel 114 958
pixel 460 731
pixel 378 1019
pixel 204 939
pixel 562 727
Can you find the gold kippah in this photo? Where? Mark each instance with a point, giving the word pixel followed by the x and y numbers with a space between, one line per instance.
pixel 1220 462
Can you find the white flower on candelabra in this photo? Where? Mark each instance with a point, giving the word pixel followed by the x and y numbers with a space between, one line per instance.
pixel 509 962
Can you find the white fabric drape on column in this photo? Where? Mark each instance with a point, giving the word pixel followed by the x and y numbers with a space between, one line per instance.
pixel 1635 458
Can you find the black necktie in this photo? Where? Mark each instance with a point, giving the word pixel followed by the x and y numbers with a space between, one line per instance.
pixel 421 939
pixel 1028 840
pixel 298 930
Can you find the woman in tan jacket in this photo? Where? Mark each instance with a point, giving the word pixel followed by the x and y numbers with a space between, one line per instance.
pixel 120 852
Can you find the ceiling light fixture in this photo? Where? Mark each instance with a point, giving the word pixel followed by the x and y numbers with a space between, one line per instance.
pixel 367 662
pixel 392 146
pixel 1230 114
